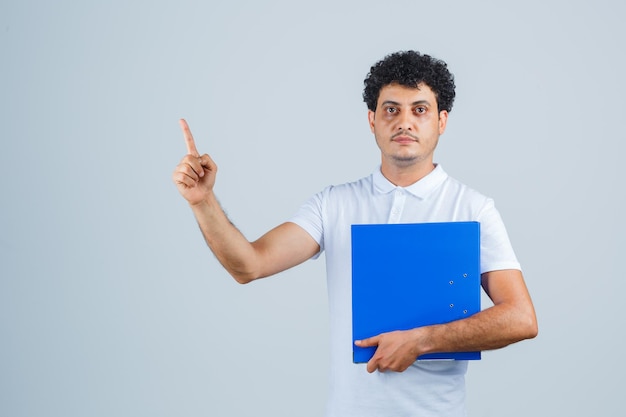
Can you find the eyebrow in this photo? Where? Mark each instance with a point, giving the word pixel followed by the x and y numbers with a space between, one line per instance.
pixel 395 103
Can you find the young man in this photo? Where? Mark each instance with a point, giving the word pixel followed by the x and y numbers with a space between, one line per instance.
pixel 409 97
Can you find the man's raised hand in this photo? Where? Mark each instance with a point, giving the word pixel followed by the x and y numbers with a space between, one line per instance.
pixel 194 176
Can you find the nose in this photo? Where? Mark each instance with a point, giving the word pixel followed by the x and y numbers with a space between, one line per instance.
pixel 404 121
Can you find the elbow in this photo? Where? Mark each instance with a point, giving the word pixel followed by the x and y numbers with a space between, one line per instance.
pixel 521 324
pixel 246 269
pixel 529 329
pixel 243 277
pixel 533 330
pixel 242 272
pixel 529 332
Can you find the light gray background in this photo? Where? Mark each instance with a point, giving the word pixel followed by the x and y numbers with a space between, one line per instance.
pixel 110 304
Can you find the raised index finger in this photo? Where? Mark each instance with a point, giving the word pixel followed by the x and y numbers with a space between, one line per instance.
pixel 191 145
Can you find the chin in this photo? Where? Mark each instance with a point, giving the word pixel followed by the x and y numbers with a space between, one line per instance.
pixel 403 162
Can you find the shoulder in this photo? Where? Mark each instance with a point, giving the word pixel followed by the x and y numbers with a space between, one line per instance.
pixel 465 193
pixel 336 195
pixel 362 185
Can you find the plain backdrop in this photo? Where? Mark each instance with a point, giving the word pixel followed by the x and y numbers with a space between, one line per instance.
pixel 110 302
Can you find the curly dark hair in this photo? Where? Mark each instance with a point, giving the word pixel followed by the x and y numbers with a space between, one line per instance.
pixel 410 68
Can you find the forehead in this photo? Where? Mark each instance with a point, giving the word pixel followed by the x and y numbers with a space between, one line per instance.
pixel 406 95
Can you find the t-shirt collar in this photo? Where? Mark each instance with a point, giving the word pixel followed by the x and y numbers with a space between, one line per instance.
pixel 420 189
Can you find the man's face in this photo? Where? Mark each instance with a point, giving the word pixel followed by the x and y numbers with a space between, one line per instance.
pixel 407 125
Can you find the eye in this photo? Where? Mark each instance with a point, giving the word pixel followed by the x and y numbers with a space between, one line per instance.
pixel 420 110
pixel 391 110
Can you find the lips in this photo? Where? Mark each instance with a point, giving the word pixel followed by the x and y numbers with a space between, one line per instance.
pixel 404 139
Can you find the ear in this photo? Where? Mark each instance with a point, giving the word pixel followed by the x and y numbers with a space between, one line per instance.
pixel 443 121
pixel 370 118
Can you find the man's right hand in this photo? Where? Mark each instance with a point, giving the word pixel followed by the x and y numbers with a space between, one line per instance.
pixel 194 176
pixel 281 248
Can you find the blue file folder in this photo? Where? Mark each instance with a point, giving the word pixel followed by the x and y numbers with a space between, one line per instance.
pixel 411 275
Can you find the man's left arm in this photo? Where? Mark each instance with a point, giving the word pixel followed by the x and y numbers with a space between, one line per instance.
pixel 511 319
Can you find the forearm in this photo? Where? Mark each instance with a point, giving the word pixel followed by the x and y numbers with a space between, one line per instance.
pixel 230 246
pixel 511 319
pixel 493 328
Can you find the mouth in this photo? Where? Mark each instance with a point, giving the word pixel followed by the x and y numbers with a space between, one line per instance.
pixel 404 138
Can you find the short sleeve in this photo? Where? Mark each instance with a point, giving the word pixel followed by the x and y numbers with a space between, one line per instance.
pixel 310 217
pixel 496 251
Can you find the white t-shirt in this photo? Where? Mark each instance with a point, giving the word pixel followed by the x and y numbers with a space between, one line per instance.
pixel 426 388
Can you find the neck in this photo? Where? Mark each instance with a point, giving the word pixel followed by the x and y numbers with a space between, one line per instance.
pixel 405 176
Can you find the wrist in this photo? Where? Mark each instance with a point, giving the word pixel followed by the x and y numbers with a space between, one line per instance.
pixel 207 202
pixel 424 340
